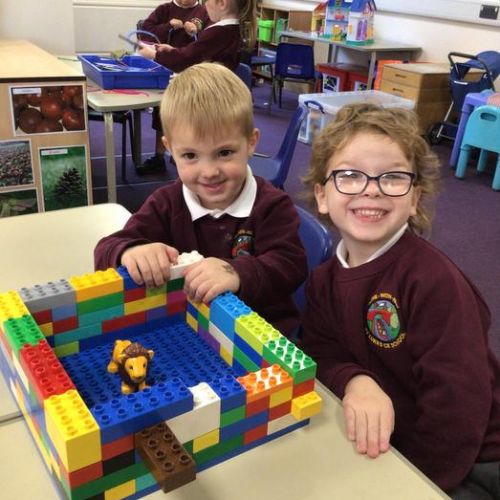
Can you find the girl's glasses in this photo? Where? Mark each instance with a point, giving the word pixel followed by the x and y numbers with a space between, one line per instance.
pixel 355 182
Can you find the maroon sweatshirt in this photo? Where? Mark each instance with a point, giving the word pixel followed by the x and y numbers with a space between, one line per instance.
pixel 264 248
pixel 158 23
pixel 220 44
pixel 413 322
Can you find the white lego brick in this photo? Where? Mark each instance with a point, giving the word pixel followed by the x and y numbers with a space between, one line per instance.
pixel 280 423
pixel 21 374
pixel 219 335
pixel 203 418
pixel 184 260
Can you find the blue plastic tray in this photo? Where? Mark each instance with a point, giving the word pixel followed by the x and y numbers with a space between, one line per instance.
pixel 129 72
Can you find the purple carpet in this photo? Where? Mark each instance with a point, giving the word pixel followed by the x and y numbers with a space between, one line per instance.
pixel 466 225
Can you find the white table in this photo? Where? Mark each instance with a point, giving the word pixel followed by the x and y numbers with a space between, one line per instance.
pixel 41 247
pixel 373 49
pixel 316 462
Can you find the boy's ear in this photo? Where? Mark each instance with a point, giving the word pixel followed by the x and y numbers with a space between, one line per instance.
pixel 166 144
pixel 253 140
pixel 320 195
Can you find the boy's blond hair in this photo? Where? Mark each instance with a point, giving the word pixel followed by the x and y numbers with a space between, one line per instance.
pixel 209 98
pixel 401 126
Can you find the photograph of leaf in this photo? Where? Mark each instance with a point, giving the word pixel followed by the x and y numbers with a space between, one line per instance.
pixel 15 163
pixel 64 181
pixel 18 203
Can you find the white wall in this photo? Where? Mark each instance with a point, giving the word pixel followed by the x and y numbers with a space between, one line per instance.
pixel 46 23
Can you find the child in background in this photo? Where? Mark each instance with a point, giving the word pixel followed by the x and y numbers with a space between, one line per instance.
pixel 175 23
pixel 246 228
pixel 233 30
pixel 398 332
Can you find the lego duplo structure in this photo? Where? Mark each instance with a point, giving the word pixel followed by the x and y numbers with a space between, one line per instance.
pixel 221 382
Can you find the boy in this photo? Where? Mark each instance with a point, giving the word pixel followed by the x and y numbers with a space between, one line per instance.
pixel 175 23
pixel 246 228
pixel 399 333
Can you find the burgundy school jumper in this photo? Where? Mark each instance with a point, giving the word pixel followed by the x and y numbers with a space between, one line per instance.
pixel 158 23
pixel 269 276
pixel 413 322
pixel 220 44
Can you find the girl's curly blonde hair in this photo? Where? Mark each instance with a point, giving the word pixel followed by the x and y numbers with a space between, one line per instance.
pixel 401 126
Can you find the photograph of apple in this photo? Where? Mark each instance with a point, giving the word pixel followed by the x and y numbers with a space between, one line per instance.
pixel 48 109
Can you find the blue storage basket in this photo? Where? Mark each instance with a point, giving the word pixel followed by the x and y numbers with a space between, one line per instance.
pixel 129 72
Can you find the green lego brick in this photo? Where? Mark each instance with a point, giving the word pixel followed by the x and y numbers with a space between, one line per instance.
pixel 67 349
pixel 21 331
pixel 143 482
pixel 255 331
pixel 242 358
pixel 188 446
pixel 231 416
pixel 173 285
pixel 286 354
pixel 202 321
pixel 218 450
pixel 151 292
pixel 77 334
pixel 104 302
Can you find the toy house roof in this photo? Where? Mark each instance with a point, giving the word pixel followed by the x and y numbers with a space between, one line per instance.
pixel 359 5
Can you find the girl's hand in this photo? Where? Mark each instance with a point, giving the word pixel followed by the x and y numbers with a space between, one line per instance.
pixel 190 28
pixel 163 47
pixel 147 50
pixel 176 23
pixel 210 277
pixel 369 415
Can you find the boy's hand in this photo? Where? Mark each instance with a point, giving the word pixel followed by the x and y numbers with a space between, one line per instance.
pixel 210 277
pixel 190 28
pixel 163 47
pixel 369 415
pixel 147 50
pixel 176 23
pixel 149 264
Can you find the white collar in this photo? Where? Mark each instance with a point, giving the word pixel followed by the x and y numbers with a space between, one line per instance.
pixel 182 6
pixel 224 22
pixel 241 207
pixel 341 251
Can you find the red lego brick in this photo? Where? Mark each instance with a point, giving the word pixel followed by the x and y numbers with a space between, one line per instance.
pixel 117 447
pixel 303 388
pixel 63 325
pixel 254 434
pixel 42 317
pixel 280 410
pixel 258 406
pixel 111 325
pixel 171 465
pixel 135 294
pixel 83 475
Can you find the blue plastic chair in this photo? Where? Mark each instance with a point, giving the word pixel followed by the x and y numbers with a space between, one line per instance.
pixel 275 168
pixel 483 132
pixel 244 71
pixel 295 63
pixel 318 243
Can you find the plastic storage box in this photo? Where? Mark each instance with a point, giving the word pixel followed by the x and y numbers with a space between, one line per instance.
pixel 323 107
pixel 129 72
pixel 265 30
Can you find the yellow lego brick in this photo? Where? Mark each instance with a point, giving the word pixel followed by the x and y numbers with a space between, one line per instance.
pixel 145 304
pixel 121 491
pixel 191 321
pixel 47 329
pixel 73 430
pixel 306 406
pixel 206 440
pixel 226 355
pixel 201 307
pixel 11 306
pixel 93 285
pixel 264 382
pixel 280 397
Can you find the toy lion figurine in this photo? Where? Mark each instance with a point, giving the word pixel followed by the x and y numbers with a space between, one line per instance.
pixel 131 361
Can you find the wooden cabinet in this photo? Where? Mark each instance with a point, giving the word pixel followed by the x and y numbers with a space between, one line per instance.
pixel 44 142
pixel 427 84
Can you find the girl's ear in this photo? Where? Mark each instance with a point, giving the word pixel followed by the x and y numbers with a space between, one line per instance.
pixel 321 201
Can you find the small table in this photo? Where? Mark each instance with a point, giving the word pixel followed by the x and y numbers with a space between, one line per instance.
pixel 379 46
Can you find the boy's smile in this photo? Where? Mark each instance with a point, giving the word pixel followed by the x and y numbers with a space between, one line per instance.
pixel 214 169
pixel 368 220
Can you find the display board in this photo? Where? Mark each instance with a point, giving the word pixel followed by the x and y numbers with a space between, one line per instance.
pixel 470 11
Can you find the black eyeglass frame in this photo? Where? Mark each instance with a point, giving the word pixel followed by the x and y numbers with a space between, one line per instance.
pixel 333 175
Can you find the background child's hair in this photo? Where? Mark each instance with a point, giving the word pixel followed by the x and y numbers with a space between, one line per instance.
pixel 210 98
pixel 401 126
pixel 246 10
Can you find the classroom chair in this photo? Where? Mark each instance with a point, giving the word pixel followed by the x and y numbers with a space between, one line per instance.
pixel 244 71
pixel 275 168
pixel 318 243
pixel 294 63
pixel 482 131
pixel 124 118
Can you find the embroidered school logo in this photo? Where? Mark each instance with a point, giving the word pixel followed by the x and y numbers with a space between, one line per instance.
pixel 243 243
pixel 383 327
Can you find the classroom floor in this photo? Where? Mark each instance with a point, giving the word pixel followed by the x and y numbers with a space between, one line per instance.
pixel 466 225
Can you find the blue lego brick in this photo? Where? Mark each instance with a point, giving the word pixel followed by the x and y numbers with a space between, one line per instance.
pixel 238 369
pixel 224 310
pixel 63 311
pixel 248 350
pixel 244 425
pixel 247 447
pixel 47 296
pixel 128 282
pixel 156 314
pixel 192 310
pixel 231 392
